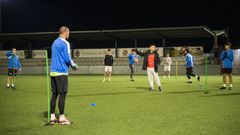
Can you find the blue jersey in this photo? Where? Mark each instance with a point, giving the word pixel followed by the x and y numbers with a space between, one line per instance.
pixel 227 58
pixel 131 58
pixel 13 60
pixel 61 56
pixel 189 60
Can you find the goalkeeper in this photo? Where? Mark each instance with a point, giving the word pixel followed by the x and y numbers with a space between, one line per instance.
pixel 61 60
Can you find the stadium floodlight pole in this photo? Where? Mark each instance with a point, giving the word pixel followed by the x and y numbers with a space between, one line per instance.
pixel 206 75
pixel 48 87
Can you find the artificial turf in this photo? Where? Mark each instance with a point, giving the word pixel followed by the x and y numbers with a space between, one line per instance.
pixel 123 107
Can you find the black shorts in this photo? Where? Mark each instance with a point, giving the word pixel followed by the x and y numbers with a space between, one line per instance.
pixel 12 72
pixel 59 84
pixel 189 70
pixel 227 70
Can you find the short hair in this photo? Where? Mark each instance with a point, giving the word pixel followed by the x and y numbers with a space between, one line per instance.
pixel 133 50
pixel 228 43
pixel 183 50
pixel 63 29
pixel 13 48
pixel 109 49
pixel 152 45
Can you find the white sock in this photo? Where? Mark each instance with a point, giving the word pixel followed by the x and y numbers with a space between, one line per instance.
pixel 53 117
pixel 224 85
pixel 62 117
pixel 12 85
pixel 230 85
pixel 8 85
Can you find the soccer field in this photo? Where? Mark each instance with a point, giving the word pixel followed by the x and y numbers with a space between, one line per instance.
pixel 123 107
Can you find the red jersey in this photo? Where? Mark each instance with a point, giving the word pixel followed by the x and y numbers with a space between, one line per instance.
pixel 151 61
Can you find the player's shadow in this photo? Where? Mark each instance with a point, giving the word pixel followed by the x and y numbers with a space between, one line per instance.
pixel 223 94
pixel 217 86
pixel 142 88
pixel 106 94
pixel 138 88
pixel 45 115
pixel 35 91
pixel 185 92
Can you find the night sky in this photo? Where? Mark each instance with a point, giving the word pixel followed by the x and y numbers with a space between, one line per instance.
pixel 48 15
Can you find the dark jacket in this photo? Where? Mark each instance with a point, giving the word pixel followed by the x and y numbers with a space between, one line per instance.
pixel 145 61
pixel 108 60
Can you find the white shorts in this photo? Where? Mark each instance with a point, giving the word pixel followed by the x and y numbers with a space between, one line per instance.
pixel 167 68
pixel 108 69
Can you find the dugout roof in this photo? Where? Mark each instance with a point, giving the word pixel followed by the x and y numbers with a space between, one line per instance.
pixel 145 33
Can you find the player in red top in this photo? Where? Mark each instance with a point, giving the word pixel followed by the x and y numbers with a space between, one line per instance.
pixel 151 63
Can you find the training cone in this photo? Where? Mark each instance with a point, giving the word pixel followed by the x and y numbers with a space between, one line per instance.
pixel 93 104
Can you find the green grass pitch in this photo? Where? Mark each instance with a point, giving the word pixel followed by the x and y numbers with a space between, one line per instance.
pixel 123 107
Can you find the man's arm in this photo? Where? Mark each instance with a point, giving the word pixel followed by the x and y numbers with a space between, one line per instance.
pixel 227 55
pixel 187 60
pixel 222 57
pixel 19 64
pixel 112 60
pixel 165 61
pixel 9 54
pixel 129 57
pixel 158 59
pixel 104 60
pixel 230 56
pixel 140 53
pixel 67 56
pixel 170 61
